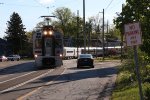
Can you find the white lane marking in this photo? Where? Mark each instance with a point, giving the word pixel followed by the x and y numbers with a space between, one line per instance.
pixel 16 77
pixel 13 87
pixel 32 92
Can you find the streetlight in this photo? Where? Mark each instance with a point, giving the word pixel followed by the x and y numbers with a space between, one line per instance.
pixel 84 26
pixel 103 34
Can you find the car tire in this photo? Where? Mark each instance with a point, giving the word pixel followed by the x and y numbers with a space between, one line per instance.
pixel 92 66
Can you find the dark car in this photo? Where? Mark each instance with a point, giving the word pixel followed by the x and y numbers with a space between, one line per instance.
pixel 85 60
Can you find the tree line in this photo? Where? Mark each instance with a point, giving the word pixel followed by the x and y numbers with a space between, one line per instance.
pixel 136 11
pixel 21 41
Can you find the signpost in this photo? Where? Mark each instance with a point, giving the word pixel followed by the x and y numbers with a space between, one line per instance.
pixel 133 38
pixel 133 34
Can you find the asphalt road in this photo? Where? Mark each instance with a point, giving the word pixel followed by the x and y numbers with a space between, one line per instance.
pixel 78 84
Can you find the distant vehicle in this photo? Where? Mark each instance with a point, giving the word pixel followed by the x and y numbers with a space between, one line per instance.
pixel 13 57
pixel 85 60
pixel 3 58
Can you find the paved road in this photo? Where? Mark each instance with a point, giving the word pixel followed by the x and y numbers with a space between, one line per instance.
pixel 78 84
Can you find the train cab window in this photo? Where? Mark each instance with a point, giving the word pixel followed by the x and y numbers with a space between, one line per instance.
pixel 69 51
pixel 38 43
pixel 48 43
pixel 58 43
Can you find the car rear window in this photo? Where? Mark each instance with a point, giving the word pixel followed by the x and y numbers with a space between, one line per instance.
pixel 85 56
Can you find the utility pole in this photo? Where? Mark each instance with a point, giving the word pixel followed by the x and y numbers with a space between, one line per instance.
pixel 103 37
pixel 107 26
pixel 77 33
pixel 122 36
pixel 84 26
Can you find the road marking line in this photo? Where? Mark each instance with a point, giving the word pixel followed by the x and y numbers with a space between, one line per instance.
pixel 32 92
pixel 13 87
pixel 16 77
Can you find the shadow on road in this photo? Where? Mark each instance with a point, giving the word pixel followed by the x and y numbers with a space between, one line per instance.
pixel 75 76
pixel 19 68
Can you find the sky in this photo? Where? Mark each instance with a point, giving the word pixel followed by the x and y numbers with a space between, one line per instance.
pixel 31 10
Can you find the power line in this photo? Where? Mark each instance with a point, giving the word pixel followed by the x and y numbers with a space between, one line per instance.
pixel 38 3
pixel 19 5
pixel 116 4
pixel 109 4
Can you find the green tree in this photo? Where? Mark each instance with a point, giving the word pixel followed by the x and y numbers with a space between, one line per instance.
pixel 136 10
pixel 66 20
pixel 16 34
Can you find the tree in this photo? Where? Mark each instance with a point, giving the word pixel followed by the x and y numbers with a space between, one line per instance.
pixel 16 34
pixel 136 10
pixel 64 16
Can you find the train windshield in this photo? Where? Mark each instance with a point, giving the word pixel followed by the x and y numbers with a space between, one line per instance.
pixel 38 43
pixel 58 43
pixel 48 42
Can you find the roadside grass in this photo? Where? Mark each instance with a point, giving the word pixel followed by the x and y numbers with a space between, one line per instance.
pixel 107 58
pixel 131 93
pixel 126 86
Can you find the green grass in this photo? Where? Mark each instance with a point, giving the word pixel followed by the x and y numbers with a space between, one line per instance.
pixel 131 93
pixel 128 94
pixel 107 58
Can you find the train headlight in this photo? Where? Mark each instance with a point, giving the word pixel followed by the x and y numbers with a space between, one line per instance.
pixel 60 55
pixel 50 32
pixel 35 56
pixel 45 32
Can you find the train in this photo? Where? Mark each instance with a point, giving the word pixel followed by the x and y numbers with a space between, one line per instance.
pixel 48 47
pixel 49 50
pixel 73 52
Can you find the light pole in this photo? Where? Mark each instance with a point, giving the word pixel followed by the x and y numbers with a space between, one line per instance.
pixel 84 26
pixel 103 35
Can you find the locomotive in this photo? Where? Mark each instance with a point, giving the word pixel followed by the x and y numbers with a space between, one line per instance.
pixel 48 47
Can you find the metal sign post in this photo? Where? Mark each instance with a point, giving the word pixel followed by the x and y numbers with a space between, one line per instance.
pixel 133 38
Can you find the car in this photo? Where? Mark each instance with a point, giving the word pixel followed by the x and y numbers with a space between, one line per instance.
pixel 13 57
pixel 3 58
pixel 85 60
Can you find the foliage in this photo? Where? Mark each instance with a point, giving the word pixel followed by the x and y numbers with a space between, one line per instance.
pixel 132 93
pixel 126 83
pixel 66 20
pixel 16 34
pixel 147 93
pixel 136 10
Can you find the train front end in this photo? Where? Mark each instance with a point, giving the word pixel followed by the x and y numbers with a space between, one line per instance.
pixel 50 49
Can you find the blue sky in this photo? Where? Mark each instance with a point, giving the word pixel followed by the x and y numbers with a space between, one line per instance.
pixel 31 10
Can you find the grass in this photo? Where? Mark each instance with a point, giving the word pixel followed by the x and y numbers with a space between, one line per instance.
pixel 107 58
pixel 131 93
pixel 127 94
pixel 126 84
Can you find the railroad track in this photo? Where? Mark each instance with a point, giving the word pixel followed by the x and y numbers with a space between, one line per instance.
pixel 13 80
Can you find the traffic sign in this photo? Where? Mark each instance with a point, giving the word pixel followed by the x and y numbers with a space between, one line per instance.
pixel 133 34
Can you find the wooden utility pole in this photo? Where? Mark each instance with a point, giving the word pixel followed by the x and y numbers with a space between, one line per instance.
pixel 84 26
pixel 103 37
pixel 77 33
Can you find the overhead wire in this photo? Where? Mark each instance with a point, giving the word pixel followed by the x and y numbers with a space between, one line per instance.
pixel 115 4
pixel 18 5
pixel 108 5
